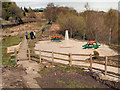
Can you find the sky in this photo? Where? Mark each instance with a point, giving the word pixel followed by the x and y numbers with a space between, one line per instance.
pixel 99 5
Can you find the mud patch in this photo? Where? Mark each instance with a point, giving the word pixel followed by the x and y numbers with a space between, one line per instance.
pixel 66 77
pixel 12 77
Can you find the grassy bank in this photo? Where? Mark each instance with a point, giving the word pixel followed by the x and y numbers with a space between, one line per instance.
pixel 6 42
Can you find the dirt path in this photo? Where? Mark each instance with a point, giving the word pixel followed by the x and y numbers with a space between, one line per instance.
pixel 31 68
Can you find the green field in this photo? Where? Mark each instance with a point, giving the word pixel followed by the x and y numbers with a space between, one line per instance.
pixel 6 42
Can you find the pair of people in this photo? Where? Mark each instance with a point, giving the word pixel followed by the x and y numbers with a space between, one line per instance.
pixel 32 35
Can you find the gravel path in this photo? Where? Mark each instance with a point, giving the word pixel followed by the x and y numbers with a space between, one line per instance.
pixel 23 49
pixel 30 67
pixel 76 48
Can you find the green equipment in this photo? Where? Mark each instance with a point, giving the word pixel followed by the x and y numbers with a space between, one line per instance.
pixel 91 44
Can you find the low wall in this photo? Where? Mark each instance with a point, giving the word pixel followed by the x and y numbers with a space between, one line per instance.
pixel 12 48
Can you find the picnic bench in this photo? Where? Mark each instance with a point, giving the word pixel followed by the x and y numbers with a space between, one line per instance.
pixel 56 38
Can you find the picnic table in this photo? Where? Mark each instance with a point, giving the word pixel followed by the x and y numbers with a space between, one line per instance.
pixel 56 38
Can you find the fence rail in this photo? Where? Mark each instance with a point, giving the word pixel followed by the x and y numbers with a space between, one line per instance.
pixel 80 60
pixel 81 54
pixel 61 53
pixel 113 59
pixel 70 60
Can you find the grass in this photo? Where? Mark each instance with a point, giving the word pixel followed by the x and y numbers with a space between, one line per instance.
pixel 75 84
pixel 39 34
pixel 71 84
pixel 60 82
pixel 71 69
pixel 31 43
pixel 6 42
pixel 11 40
pixel 63 69
pixel 44 69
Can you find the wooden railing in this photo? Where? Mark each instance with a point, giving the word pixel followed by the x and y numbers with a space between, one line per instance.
pixel 41 57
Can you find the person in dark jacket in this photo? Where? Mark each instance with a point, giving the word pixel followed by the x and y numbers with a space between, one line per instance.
pixel 31 34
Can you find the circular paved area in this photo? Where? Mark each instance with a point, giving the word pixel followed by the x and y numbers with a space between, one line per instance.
pixel 76 48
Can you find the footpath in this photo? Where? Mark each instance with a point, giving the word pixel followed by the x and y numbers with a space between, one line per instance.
pixel 31 68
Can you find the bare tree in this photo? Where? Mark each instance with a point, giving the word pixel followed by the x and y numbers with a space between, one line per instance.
pixel 87 6
pixel 51 12
pixel 74 24
pixel 111 22
pixel 50 5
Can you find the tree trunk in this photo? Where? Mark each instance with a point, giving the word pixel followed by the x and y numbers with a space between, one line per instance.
pixel 71 33
pixel 110 36
pixel 96 37
pixel 84 36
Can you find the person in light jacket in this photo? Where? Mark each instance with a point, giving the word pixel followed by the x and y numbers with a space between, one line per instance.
pixel 31 35
pixel 34 35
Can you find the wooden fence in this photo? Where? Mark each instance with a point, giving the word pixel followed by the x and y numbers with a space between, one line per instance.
pixel 70 60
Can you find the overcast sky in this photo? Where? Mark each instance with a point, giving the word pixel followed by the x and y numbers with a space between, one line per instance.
pixel 100 5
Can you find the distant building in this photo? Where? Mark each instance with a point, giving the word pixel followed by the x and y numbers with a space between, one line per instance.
pixel 41 9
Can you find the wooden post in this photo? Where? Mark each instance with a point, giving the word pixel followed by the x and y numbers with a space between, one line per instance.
pixel 15 56
pixel 40 55
pixel 90 62
pixel 29 53
pixel 52 58
pixel 70 59
pixel 106 65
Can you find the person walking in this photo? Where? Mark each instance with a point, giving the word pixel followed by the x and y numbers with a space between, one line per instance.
pixel 31 35
pixel 26 35
pixel 34 35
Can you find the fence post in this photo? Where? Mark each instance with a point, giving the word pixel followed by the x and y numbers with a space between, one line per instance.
pixel 15 56
pixel 52 58
pixel 70 59
pixel 40 55
pixel 106 58
pixel 90 62
pixel 29 53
